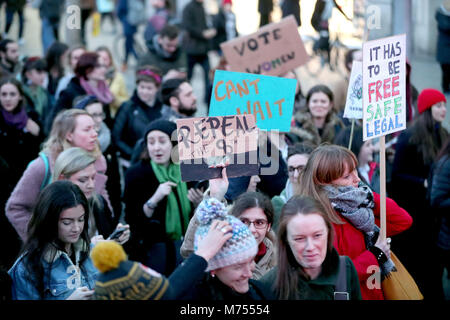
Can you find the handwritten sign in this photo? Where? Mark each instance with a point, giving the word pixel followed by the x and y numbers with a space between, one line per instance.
pixel 209 141
pixel 274 50
pixel 384 86
pixel 354 106
pixel 270 99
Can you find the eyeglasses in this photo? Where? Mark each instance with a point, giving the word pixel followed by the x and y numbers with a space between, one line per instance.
pixel 101 66
pixel 98 115
pixel 300 168
pixel 258 224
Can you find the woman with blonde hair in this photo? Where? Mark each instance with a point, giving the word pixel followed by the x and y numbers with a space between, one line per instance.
pixel 78 166
pixel 330 177
pixel 71 128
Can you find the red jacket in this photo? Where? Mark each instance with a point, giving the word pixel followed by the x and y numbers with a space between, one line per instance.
pixel 349 241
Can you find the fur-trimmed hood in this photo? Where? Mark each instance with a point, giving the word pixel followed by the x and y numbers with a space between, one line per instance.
pixel 305 129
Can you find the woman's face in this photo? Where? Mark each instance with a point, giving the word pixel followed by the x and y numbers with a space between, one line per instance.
pixel 347 179
pixel 366 153
pixel 71 224
pixel 237 275
pixel 146 91
pixel 307 237
pixel 99 71
pixel 104 58
pixel 257 222
pixel 9 97
pixel 75 56
pixel 96 111
pixel 85 179
pixel 159 147
pixel 37 77
pixel 319 105
pixel 296 163
pixel 438 111
pixel 254 180
pixel 84 135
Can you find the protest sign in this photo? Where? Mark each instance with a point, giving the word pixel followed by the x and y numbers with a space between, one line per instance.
pixel 384 86
pixel 208 141
pixel 274 50
pixel 384 102
pixel 354 106
pixel 270 99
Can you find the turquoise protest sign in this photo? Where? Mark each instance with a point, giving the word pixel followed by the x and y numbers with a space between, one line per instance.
pixel 270 99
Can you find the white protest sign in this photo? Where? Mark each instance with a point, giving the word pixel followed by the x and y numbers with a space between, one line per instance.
pixel 384 86
pixel 354 106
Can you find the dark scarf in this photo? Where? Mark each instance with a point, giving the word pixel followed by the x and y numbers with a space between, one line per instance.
pixel 16 120
pixel 356 204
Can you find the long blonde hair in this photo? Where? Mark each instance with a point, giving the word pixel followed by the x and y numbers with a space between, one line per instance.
pixel 326 163
pixel 64 123
pixel 69 162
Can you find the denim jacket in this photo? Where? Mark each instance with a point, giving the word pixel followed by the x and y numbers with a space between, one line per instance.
pixel 64 277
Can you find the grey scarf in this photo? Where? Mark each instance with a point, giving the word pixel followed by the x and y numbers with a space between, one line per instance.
pixel 356 205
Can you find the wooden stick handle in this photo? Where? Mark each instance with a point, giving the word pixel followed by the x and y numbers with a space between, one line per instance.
pixel 382 187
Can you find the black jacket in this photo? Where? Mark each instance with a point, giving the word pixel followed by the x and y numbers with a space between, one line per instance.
pixel 265 6
pixel 65 100
pixel 156 56
pixel 194 23
pixel 291 7
pixel 212 289
pixel 18 147
pixel 140 184
pixel 443 44
pixel 131 121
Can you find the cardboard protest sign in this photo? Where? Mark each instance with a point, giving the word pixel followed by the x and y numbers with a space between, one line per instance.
pixel 208 141
pixel 270 99
pixel 384 86
pixel 354 106
pixel 274 50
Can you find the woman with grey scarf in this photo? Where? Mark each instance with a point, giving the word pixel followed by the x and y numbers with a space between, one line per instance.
pixel 330 176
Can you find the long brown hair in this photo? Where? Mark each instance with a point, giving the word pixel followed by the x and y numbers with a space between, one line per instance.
pixel 326 163
pixel 288 270
pixel 428 139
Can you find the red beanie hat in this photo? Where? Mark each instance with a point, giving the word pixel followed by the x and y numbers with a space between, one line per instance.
pixel 224 2
pixel 429 97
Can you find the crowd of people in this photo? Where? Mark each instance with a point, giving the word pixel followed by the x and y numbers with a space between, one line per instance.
pixel 93 205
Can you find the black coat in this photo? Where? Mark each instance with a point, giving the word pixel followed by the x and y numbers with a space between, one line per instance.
pixel 140 185
pixel 105 220
pixel 194 23
pixel 443 43
pixel 265 6
pixel 291 7
pixel 65 100
pixel 212 289
pixel 18 147
pixel 130 123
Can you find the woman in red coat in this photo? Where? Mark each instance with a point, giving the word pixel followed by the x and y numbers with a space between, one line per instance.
pixel 330 176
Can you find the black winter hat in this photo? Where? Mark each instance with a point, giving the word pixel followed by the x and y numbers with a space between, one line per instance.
pixel 166 126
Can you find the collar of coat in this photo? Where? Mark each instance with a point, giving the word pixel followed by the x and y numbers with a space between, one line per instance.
pixel 52 253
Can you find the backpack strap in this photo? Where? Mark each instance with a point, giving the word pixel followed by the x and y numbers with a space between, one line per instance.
pixel 47 175
pixel 340 291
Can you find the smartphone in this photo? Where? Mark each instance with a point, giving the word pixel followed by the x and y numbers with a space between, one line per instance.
pixel 116 233
pixel 202 184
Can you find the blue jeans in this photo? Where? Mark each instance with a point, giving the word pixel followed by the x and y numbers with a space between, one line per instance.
pixel 129 32
pixel 49 33
pixel 9 20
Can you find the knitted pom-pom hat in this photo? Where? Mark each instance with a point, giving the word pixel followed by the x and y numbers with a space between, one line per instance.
pixel 429 97
pixel 240 247
pixel 121 279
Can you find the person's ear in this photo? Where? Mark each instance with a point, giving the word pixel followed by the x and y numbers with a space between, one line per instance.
pixel 61 177
pixel 212 273
pixel 174 101
pixel 69 137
